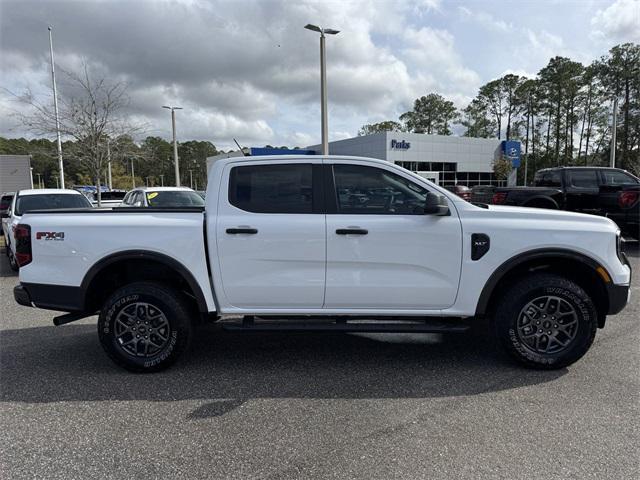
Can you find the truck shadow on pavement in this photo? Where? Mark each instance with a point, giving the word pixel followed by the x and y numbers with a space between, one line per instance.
pixel 5 269
pixel 56 364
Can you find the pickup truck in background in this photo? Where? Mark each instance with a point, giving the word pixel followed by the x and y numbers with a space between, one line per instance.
pixel 609 192
pixel 325 243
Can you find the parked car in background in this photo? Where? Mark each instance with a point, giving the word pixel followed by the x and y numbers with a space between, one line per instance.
pixel 610 192
pixel 327 244
pixel 112 198
pixel 5 204
pixel 462 191
pixel 37 200
pixel 482 193
pixel 162 197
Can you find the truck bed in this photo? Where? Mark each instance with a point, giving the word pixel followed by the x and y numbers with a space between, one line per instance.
pixel 90 236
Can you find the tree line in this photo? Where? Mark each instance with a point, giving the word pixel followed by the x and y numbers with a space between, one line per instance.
pixel 563 116
pixel 149 162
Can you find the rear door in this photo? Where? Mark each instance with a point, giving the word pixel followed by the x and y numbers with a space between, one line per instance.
pixel 383 252
pixel 582 190
pixel 270 232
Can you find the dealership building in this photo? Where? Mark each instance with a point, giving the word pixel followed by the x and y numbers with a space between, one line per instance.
pixel 445 160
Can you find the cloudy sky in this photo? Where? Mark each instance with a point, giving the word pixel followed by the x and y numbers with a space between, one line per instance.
pixel 248 69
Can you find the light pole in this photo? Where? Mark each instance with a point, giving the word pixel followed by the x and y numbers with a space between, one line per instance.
pixel 55 108
pixel 612 153
pixel 162 180
pixel 133 174
pixel 175 144
pixel 39 180
pixel 190 178
pixel 109 166
pixel 323 83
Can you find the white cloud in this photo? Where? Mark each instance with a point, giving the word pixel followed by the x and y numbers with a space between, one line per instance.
pixel 486 20
pixel 619 22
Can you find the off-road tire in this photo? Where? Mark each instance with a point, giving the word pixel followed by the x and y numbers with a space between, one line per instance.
pixel 173 336
pixel 509 319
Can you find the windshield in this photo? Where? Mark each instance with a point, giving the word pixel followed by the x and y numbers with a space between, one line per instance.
pixel 175 198
pixel 50 201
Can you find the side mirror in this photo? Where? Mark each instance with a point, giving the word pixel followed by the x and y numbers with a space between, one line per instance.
pixel 436 205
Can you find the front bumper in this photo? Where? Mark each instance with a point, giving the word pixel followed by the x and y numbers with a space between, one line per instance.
pixel 618 298
pixel 619 294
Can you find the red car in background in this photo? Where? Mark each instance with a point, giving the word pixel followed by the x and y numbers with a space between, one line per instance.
pixel 462 191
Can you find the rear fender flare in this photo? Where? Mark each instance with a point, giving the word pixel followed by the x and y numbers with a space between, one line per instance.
pixel 166 260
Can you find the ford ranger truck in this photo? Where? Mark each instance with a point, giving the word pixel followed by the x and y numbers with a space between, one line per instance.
pixel 325 243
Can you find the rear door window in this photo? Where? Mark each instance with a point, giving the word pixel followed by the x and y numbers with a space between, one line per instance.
pixel 550 178
pixel 582 178
pixel 285 188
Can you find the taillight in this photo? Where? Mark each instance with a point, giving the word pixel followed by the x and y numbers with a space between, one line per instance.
pixel 22 236
pixel 466 196
pixel 499 198
pixel 628 199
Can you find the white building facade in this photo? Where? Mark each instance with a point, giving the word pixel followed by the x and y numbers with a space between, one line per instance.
pixel 446 160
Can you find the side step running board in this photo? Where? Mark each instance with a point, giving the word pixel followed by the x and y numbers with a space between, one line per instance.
pixel 428 326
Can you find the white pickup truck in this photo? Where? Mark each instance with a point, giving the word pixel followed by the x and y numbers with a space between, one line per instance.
pixel 325 243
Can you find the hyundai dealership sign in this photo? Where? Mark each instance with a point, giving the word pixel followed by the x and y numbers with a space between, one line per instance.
pixel 511 150
pixel 400 145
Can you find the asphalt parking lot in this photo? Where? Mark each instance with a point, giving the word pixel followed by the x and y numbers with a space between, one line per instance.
pixel 314 406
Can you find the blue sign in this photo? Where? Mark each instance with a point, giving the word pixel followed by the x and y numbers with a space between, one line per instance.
pixel 258 151
pixel 402 145
pixel 511 150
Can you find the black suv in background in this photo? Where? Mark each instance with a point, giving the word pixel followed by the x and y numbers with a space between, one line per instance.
pixel 604 191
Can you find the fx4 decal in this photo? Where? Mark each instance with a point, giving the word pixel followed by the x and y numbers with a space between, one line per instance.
pixel 50 236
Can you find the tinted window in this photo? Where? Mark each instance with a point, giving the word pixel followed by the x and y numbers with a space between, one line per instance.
pixel 168 199
pixel 50 201
pixel 582 178
pixel 5 202
pixel 548 179
pixel 272 188
pixel 111 196
pixel 615 177
pixel 370 190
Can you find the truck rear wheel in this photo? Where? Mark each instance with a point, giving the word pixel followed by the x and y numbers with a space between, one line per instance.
pixel 546 321
pixel 144 326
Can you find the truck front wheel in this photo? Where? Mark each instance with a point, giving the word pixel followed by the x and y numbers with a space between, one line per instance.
pixel 144 326
pixel 546 321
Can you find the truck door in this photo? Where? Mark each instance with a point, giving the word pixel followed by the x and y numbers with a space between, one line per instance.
pixel 383 252
pixel 270 232
pixel 582 190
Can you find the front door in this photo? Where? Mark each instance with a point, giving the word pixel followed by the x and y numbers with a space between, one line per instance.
pixel 270 234
pixel 383 252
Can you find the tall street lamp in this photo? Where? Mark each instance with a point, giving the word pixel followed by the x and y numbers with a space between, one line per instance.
pixel 175 144
pixel 323 83
pixel 55 108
